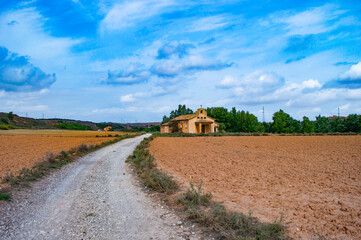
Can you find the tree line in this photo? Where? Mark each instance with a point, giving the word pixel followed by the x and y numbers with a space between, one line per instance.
pixel 242 121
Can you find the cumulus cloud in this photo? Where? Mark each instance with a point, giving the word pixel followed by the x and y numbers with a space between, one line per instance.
pixel 262 87
pixel 350 79
pixel 18 74
pixel 174 48
pixel 259 82
pixel 134 73
pixel 23 31
pixel 311 83
pixel 174 67
pixel 323 96
pixel 127 98
pixel 229 82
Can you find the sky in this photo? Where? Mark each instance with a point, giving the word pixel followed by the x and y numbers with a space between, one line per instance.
pixel 135 61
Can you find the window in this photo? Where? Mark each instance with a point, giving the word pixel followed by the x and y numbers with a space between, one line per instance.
pixel 201 111
pixel 204 117
pixel 198 117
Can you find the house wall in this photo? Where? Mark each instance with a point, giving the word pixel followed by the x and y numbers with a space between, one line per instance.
pixel 192 125
pixel 164 129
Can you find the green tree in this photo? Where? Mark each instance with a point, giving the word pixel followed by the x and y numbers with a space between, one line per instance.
pixel 322 124
pixel 182 110
pixel 284 123
pixel 337 125
pixel 10 116
pixel 221 115
pixel 307 125
pixel 353 123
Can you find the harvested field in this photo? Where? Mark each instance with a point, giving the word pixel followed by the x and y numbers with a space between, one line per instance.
pixel 23 148
pixel 58 133
pixel 313 181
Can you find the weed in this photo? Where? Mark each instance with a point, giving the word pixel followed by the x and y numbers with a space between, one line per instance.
pixel 4 196
pixel 50 158
pixel 146 169
pixel 194 198
pixel 83 148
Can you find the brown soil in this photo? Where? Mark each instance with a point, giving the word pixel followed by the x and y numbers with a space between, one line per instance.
pixel 313 181
pixel 18 151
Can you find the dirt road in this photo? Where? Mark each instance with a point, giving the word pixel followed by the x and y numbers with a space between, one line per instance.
pixel 95 197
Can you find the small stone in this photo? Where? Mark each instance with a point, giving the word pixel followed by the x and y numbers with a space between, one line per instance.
pixel 179 222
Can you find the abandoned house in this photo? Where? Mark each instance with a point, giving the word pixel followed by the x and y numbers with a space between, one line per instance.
pixel 191 123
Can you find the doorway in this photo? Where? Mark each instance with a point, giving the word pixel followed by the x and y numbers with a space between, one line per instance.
pixel 203 128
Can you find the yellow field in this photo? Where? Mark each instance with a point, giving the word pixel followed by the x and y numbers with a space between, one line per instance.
pixel 23 148
pixel 58 133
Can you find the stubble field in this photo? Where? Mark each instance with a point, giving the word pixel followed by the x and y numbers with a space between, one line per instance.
pixel 23 148
pixel 313 181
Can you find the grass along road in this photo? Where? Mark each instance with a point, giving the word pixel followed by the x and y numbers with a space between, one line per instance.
pixel 92 198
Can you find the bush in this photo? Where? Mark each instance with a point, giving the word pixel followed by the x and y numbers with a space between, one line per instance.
pixel 4 120
pixel 146 169
pixel 4 127
pixel 194 197
pixel 4 196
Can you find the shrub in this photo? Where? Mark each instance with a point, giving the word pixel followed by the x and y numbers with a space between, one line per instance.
pixel 146 169
pixel 4 196
pixel 4 120
pixel 194 197
pixel 82 148
pixel 4 127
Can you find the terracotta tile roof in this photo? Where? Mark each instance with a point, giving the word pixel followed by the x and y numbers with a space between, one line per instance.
pixel 184 117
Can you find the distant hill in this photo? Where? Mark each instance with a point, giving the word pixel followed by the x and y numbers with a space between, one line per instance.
pixel 23 122
pixel 56 121
pixel 50 123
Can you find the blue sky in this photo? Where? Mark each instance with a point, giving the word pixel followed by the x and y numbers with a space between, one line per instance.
pixel 127 61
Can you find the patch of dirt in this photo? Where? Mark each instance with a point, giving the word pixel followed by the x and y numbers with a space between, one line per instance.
pixel 19 151
pixel 313 181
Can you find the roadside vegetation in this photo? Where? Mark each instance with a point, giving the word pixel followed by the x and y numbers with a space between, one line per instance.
pixel 49 163
pixel 242 121
pixel 198 206
pixel 146 169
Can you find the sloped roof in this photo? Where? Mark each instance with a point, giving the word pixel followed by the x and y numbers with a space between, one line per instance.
pixel 184 117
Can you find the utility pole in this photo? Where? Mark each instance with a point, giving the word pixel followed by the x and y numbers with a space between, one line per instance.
pixel 43 115
pixel 26 114
pixel 338 112
pixel 263 114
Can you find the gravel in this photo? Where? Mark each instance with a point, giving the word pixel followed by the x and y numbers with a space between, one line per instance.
pixel 95 197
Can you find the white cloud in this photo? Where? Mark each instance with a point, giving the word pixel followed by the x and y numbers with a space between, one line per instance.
pixel 311 84
pixel 127 98
pixel 323 96
pixel 229 82
pixel 258 82
pixel 29 37
pixel 208 23
pixel 312 21
pixel 354 72
pixel 129 13
pixel 175 66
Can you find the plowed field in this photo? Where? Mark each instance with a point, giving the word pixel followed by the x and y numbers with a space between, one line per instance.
pixel 313 181
pixel 23 148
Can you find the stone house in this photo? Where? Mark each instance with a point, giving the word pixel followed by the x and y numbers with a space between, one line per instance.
pixel 191 123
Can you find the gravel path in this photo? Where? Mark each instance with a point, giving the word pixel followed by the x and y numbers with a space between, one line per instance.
pixel 96 197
